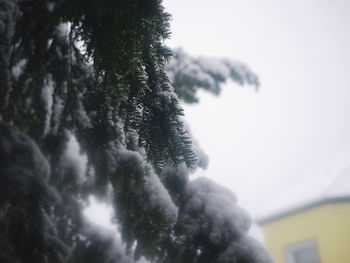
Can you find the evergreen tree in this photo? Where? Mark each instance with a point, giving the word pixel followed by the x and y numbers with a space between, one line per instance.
pixel 93 73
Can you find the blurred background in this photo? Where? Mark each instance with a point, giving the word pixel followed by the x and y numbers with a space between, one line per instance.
pixel 285 149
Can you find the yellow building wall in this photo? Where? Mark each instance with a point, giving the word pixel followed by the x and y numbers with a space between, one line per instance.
pixel 328 224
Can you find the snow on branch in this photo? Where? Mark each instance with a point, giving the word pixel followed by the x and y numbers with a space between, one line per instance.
pixel 212 224
pixel 218 205
pixel 188 74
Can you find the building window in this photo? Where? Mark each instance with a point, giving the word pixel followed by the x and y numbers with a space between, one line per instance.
pixel 302 252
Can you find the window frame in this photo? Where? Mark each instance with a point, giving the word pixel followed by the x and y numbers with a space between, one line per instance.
pixel 289 250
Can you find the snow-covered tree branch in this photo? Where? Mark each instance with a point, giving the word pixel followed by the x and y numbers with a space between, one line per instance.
pixel 188 74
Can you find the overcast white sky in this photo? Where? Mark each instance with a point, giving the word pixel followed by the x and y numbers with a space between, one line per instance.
pixel 261 143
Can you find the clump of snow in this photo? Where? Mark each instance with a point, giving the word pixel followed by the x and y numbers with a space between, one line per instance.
pixel 188 74
pixel 100 226
pixel 175 178
pixel 63 30
pixel 84 119
pixel 189 68
pixel 25 194
pixel 158 198
pixel 169 96
pixel 17 69
pixel 218 205
pixel 49 43
pixel 17 149
pixel 58 107
pixel 215 66
pixel 113 249
pixel 47 96
pixel 211 219
pixel 74 161
pixel 99 213
pixel 241 73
